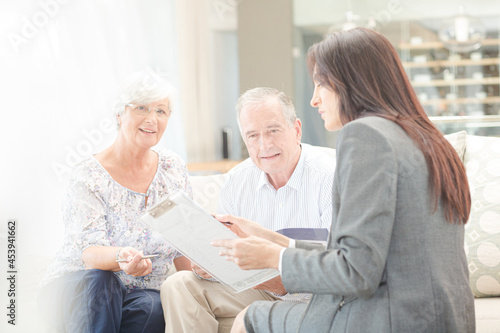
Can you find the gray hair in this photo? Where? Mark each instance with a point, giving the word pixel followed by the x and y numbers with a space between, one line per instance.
pixel 260 95
pixel 144 87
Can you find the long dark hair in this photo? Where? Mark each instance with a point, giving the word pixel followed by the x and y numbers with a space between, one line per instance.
pixel 363 69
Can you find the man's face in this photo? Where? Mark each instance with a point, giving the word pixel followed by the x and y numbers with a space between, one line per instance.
pixel 273 145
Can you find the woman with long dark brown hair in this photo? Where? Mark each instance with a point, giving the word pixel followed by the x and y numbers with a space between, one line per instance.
pixel 395 260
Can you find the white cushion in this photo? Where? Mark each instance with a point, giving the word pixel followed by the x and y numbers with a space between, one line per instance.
pixel 482 232
pixel 487 315
pixel 206 190
pixel 457 140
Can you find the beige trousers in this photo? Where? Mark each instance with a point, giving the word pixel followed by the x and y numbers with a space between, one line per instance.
pixel 191 305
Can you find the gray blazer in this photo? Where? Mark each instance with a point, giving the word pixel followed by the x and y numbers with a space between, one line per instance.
pixel 391 264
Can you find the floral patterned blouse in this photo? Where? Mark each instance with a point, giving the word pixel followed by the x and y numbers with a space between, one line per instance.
pixel 97 211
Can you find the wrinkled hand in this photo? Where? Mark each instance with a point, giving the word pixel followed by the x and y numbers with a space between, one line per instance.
pixel 274 285
pixel 200 272
pixel 134 266
pixel 250 253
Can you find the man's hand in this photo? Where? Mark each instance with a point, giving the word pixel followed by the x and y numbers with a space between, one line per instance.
pixel 245 228
pixel 242 227
pixel 274 285
pixel 200 272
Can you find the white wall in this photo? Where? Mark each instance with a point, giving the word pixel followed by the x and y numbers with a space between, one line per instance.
pixel 60 64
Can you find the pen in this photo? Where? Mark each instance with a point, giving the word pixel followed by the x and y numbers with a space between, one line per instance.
pixel 143 257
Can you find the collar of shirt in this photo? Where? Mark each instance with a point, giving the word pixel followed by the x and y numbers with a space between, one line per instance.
pixel 294 181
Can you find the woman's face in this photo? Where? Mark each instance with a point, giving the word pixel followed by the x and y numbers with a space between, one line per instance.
pixel 327 102
pixel 144 129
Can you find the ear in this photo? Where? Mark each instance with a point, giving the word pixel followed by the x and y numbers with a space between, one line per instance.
pixel 298 129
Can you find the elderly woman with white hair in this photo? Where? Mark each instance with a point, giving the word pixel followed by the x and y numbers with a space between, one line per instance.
pixel 99 280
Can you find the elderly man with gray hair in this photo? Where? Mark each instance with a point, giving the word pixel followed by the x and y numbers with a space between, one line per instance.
pixel 285 186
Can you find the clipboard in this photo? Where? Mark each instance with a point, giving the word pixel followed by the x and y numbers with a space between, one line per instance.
pixel 190 229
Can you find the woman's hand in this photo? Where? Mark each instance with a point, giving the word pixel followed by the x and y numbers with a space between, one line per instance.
pixel 134 265
pixel 251 252
pixel 245 228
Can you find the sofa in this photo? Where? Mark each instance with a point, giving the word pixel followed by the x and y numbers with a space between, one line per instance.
pixel 481 156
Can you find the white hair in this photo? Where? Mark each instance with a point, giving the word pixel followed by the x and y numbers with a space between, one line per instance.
pixel 143 88
pixel 257 96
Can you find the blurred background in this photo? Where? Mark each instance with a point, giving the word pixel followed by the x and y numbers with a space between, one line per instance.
pixel 61 62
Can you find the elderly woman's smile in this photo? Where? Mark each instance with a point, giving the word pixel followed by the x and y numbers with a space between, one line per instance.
pixel 149 120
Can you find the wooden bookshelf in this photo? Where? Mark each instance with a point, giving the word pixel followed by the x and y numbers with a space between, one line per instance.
pixel 452 63
pixel 456 82
pixel 463 100
pixel 437 45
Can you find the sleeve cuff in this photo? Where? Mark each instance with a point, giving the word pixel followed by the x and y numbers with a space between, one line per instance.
pixel 290 244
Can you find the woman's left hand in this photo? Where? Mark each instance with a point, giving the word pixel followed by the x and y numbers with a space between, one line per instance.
pixel 250 253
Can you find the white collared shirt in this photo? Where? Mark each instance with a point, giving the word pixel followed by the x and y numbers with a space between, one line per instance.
pixel 304 202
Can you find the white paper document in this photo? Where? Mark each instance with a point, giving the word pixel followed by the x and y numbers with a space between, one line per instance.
pixel 190 229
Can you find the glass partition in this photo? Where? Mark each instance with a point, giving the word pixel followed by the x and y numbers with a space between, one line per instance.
pixel 451 56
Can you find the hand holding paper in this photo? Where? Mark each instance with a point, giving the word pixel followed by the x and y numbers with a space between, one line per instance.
pixel 200 272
